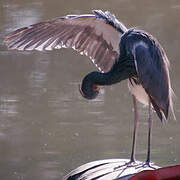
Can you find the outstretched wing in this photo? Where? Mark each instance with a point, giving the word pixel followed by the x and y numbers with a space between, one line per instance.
pixel 96 36
pixel 153 74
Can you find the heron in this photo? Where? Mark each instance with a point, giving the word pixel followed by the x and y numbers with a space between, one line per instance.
pixel 119 54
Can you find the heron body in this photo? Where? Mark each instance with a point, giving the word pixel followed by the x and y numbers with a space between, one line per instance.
pixel 119 53
pixel 139 92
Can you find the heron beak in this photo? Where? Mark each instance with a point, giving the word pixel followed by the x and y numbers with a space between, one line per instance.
pixel 80 90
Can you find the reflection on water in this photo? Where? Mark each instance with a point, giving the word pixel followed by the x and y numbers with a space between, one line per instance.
pixel 46 127
pixel 9 105
pixel 18 15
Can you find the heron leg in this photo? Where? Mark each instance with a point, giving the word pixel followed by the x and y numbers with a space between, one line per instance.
pixel 135 130
pixel 149 133
pixel 132 158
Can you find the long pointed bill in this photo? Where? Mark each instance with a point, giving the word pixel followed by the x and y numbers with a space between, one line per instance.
pixel 80 90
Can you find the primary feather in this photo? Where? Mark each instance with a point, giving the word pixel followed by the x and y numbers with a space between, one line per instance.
pixel 95 35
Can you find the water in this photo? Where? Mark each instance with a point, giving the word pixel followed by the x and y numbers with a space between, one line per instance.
pixel 46 127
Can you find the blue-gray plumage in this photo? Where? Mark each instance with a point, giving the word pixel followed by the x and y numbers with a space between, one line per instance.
pixel 118 52
pixel 152 68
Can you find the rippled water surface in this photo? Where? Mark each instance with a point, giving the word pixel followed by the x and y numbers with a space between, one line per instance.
pixel 46 127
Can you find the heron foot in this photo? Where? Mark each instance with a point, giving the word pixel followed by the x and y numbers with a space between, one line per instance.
pixel 147 164
pixel 131 163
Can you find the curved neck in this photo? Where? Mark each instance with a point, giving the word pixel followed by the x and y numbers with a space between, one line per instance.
pixel 120 71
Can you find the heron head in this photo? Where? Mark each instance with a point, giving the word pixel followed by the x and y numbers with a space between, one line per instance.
pixel 89 89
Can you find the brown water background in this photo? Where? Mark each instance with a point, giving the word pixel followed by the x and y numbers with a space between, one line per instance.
pixel 46 127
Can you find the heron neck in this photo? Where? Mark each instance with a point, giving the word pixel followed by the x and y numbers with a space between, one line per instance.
pixel 118 73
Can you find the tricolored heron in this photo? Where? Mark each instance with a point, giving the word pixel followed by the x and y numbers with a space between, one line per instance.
pixel 118 52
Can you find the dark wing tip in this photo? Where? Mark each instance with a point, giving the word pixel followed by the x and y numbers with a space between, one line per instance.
pixel 161 113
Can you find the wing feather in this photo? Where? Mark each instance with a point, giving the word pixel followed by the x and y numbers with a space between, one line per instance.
pixel 96 36
pixel 154 77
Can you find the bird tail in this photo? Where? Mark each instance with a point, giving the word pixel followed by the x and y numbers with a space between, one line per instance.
pixel 111 19
pixel 172 95
pixel 163 113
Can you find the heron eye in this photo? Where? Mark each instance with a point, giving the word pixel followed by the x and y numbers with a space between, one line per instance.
pixel 96 87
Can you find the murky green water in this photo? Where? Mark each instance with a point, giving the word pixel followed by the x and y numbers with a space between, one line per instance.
pixel 46 127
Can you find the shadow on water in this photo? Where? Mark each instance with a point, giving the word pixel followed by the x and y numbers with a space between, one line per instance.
pixel 46 127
